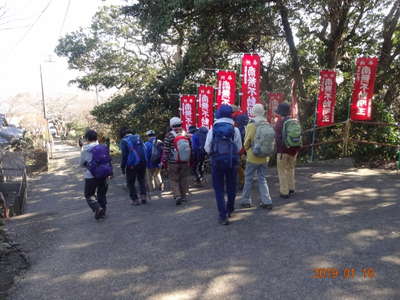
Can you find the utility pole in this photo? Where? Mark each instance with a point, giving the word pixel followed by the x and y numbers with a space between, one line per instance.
pixel 50 138
pixel 43 103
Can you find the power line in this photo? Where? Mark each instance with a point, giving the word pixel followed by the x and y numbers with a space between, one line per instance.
pixel 65 17
pixel 34 23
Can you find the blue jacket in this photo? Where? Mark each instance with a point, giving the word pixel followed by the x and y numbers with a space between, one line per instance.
pixel 195 143
pixel 149 148
pixel 123 145
pixel 198 142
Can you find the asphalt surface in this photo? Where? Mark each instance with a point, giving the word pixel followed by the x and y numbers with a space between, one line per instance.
pixel 340 219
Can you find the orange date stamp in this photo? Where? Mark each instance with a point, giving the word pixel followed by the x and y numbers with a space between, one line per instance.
pixel 346 273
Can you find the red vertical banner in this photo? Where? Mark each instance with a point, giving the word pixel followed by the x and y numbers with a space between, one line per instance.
pixel 251 65
pixel 294 105
pixel 205 99
pixel 226 93
pixel 188 111
pixel 363 90
pixel 273 101
pixel 326 98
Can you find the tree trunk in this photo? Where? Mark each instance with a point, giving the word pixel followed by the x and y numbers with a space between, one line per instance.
pixel 292 48
pixel 385 57
pixel 338 20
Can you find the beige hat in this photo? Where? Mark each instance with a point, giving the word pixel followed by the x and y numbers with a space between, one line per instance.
pixel 259 110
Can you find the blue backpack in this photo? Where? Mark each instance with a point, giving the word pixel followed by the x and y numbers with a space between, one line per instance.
pixel 224 152
pixel 100 166
pixel 201 136
pixel 136 155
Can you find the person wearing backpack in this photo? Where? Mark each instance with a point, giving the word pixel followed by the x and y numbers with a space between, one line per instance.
pixel 224 143
pixel 176 159
pixel 95 158
pixel 241 120
pixel 199 155
pixel 154 148
pixel 288 144
pixel 133 165
pixel 259 144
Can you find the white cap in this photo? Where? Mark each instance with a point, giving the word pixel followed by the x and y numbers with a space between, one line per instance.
pixel 150 132
pixel 174 121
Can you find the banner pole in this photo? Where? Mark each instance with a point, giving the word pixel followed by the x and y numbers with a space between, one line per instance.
pixel 240 84
pixel 314 129
pixel 347 130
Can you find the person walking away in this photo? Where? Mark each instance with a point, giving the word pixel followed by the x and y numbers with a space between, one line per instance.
pixel 176 160
pixel 95 158
pixel 198 142
pixel 191 131
pixel 259 144
pixel 133 165
pixel 154 148
pixel 241 120
pixel 223 143
pixel 81 141
pixel 288 143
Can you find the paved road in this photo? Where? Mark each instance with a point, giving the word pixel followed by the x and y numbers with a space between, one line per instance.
pixel 340 218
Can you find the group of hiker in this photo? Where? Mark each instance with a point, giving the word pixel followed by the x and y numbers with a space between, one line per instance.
pixel 236 145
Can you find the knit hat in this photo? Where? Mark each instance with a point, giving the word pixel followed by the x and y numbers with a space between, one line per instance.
pixel 283 109
pixel 224 111
pixel 173 122
pixel 259 110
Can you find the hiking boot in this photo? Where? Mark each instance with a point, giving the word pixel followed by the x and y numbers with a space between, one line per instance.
pixel 266 206
pixel 143 199
pixel 284 196
pixel 292 192
pixel 178 201
pixel 97 213
pixel 230 213
pixel 102 213
pixel 135 202
pixel 245 205
pixel 223 221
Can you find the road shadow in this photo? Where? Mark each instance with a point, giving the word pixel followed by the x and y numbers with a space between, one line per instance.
pixel 339 219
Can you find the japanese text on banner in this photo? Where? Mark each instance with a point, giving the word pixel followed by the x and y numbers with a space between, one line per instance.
pixel 326 98
pixel 363 90
pixel 205 106
pixel 250 82
pixel 188 111
pixel 226 88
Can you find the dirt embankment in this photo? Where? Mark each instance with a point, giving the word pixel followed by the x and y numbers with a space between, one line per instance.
pixel 12 262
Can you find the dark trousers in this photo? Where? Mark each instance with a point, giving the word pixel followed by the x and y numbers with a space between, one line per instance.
pixel 132 173
pixel 95 193
pixel 224 177
pixel 198 169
